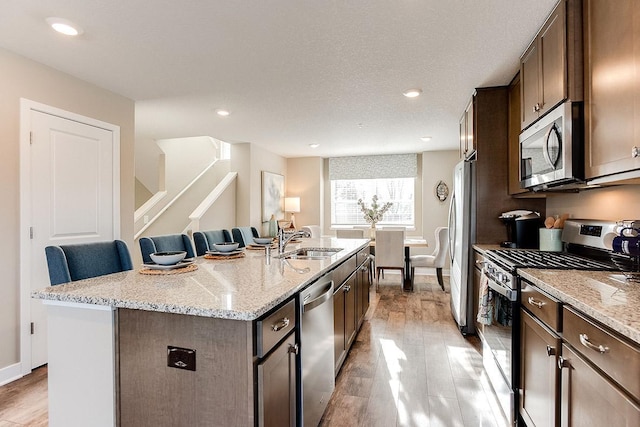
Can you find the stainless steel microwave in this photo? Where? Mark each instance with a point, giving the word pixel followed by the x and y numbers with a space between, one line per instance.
pixel 552 149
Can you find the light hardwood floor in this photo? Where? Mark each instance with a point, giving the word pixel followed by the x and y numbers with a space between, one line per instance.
pixel 409 366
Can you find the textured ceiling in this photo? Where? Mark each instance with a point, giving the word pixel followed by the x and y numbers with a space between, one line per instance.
pixel 291 72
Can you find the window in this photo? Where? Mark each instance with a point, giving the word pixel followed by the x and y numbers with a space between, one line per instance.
pixel 346 192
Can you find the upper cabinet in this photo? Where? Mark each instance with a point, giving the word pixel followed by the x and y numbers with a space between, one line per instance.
pixel 551 67
pixel 612 107
pixel 467 144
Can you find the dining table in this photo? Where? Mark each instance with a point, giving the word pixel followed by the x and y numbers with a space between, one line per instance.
pixel 409 242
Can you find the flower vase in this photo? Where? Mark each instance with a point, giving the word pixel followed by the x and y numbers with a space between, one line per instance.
pixel 372 231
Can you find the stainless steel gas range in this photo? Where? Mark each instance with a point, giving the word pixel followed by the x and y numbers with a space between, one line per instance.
pixel 587 246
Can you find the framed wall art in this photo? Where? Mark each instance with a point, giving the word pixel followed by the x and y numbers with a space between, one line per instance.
pixel 272 195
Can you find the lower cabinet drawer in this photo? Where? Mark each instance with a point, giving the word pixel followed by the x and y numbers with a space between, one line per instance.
pixel 614 356
pixel 541 305
pixel 275 327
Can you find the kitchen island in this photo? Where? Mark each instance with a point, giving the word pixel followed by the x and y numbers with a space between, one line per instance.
pixel 109 339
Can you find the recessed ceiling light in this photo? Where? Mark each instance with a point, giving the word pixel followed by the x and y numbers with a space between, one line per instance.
pixel 425 138
pixel 412 93
pixel 222 113
pixel 314 145
pixel 64 26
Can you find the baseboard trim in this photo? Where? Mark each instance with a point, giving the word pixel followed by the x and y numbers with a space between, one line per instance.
pixel 10 373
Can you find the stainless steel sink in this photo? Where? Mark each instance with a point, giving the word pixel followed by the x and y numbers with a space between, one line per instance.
pixel 310 253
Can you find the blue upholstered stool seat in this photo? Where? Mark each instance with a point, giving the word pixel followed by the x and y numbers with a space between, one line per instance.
pixel 205 240
pixel 69 263
pixel 170 242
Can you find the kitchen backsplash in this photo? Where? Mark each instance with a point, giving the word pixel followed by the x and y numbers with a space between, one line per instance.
pixel 611 203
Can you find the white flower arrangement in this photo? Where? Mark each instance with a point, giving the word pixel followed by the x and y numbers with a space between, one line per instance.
pixel 375 213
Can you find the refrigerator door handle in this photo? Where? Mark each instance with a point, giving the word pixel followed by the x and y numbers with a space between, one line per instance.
pixel 452 226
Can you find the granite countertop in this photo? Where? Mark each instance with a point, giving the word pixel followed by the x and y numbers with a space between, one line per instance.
pixel 240 289
pixel 604 296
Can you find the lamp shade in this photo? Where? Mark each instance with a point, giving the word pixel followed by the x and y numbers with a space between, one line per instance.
pixel 292 204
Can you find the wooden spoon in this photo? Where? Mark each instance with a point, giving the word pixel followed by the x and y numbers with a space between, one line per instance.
pixel 549 222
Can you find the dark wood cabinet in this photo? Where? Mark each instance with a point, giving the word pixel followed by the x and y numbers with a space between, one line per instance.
pixel 539 376
pixel 490 139
pixel 573 370
pixel 612 107
pixel 467 141
pixel 350 315
pixel 514 137
pixel 350 303
pixel 339 341
pixel 551 67
pixel 590 399
pixel 363 287
pixel 277 386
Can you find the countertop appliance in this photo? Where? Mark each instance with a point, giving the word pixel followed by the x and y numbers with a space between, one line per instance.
pixel 588 247
pixel 460 238
pixel 316 349
pixel 551 150
pixel 509 220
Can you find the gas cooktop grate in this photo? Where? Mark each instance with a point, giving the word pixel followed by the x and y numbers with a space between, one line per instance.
pixel 522 258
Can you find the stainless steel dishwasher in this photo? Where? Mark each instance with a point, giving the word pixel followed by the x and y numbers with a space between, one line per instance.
pixel 316 349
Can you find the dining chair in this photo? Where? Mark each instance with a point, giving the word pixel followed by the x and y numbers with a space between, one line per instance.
pixel 436 259
pixel 204 240
pixel 68 263
pixel 389 252
pixel 244 235
pixel 313 230
pixel 169 242
pixel 350 233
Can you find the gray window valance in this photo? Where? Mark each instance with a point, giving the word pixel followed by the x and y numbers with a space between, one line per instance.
pixel 370 167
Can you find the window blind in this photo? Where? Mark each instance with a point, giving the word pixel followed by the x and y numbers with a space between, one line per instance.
pixel 371 167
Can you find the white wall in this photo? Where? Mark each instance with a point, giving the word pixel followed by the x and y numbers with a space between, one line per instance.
pixel 305 180
pixel 436 166
pixel 612 203
pixel 185 158
pixel 148 168
pixel 23 78
pixel 249 161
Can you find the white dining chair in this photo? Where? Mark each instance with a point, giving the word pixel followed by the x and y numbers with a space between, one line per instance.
pixel 389 252
pixel 436 259
pixel 350 233
pixel 313 230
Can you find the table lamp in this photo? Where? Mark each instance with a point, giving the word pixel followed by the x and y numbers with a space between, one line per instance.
pixel 292 204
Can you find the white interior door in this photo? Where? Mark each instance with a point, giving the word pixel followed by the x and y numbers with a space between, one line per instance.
pixel 73 184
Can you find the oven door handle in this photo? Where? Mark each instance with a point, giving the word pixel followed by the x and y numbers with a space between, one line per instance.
pixel 510 294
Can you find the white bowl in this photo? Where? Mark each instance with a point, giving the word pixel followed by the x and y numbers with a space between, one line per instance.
pixel 226 247
pixel 168 257
pixel 263 240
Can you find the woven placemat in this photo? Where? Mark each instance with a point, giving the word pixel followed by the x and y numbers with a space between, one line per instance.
pixel 187 269
pixel 259 247
pixel 234 256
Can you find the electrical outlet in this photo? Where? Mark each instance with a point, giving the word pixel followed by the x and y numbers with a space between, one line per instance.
pixel 181 358
pixel 145 219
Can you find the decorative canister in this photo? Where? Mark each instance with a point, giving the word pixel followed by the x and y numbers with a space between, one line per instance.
pixel 551 239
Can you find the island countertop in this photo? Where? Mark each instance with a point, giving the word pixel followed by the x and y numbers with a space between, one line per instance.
pixel 240 289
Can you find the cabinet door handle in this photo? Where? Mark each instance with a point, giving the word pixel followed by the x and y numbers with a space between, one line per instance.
pixel 535 302
pixel 551 351
pixel 563 363
pixel 635 152
pixel 347 288
pixel 280 325
pixel 293 348
pixel 584 340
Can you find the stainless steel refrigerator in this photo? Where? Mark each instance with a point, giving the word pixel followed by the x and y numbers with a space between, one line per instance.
pixel 461 230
